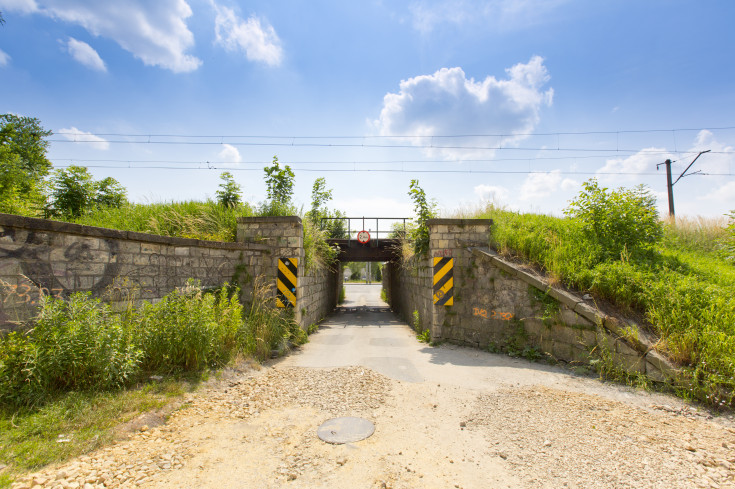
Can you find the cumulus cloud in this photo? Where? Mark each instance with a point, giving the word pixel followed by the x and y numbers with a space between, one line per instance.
pixel 74 134
pixel 449 103
pixel 85 54
pixel 4 58
pixel 22 6
pixel 254 37
pixel 723 193
pixel 630 168
pixel 492 193
pixel 427 15
pixel 538 185
pixel 229 154
pixel 154 32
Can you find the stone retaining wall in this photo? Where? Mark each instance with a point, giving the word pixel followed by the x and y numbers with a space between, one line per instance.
pixel 39 256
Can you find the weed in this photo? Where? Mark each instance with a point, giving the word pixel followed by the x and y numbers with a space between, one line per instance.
pixel 342 295
pixel 424 336
pixel 550 305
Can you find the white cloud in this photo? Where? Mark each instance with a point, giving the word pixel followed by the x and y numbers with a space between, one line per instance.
pixel 229 154
pixel 724 193
pixel 154 32
pixel 644 161
pixel 448 103
pixel 256 38
pixel 568 184
pixel 539 185
pixel 22 6
pixel 492 193
pixel 74 134
pixel 4 58
pixel 85 54
pixel 427 15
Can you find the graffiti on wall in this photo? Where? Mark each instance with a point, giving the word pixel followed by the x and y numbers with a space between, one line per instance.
pixel 483 313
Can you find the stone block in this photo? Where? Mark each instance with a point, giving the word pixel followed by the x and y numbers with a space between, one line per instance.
pixel 631 363
pixel 562 350
pixel 590 313
pixel 128 246
pixel 182 251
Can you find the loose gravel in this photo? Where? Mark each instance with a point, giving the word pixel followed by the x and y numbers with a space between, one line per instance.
pixel 258 429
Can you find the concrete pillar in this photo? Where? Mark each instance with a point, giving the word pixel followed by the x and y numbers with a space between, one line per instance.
pixel 285 238
pixel 455 238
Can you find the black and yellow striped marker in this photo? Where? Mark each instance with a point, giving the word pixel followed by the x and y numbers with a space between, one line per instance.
pixel 286 282
pixel 444 281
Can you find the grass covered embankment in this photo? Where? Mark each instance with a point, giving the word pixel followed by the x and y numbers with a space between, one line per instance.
pixel 680 282
pixel 206 220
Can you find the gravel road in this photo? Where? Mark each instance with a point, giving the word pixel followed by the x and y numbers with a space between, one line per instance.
pixel 445 417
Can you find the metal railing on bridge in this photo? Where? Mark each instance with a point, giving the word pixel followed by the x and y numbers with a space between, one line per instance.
pixel 377 231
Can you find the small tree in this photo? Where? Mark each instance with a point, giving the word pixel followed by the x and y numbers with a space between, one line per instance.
pixel 74 191
pixel 425 210
pixel 23 164
pixel 230 193
pixel 617 220
pixel 279 184
pixel 319 198
pixel 110 193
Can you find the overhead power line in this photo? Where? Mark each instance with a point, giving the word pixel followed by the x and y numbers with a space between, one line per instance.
pixel 394 146
pixel 396 136
pixel 386 170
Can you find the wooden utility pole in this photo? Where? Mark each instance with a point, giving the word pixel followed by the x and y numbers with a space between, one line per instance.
pixel 670 185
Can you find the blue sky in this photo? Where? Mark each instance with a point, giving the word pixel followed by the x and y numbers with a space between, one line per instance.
pixel 516 102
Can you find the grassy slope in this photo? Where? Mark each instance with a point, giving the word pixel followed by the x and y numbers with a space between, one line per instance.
pixel 684 289
pixel 191 219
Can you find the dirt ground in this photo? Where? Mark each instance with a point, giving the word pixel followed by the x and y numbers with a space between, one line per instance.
pixel 258 429
pixel 445 417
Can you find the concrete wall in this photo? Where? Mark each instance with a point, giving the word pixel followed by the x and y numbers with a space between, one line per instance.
pixel 500 305
pixel 38 256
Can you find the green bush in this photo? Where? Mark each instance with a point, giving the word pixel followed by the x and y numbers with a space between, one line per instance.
pixel 425 210
pixel 77 344
pixel 189 330
pixel 618 220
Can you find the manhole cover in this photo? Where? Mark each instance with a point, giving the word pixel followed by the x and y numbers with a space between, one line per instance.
pixel 345 430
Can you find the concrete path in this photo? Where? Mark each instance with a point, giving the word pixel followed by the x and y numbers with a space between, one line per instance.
pixel 364 333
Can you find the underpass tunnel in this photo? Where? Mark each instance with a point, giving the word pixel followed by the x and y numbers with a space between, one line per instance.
pixel 362 284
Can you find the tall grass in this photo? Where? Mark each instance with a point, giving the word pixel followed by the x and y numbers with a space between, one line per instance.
pixel 684 288
pixel 189 219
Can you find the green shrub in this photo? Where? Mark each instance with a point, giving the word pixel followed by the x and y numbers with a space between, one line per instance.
pixel 77 344
pixel 618 220
pixel 425 210
pixel 189 330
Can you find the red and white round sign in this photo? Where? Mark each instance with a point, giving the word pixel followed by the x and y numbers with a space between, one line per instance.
pixel 363 237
